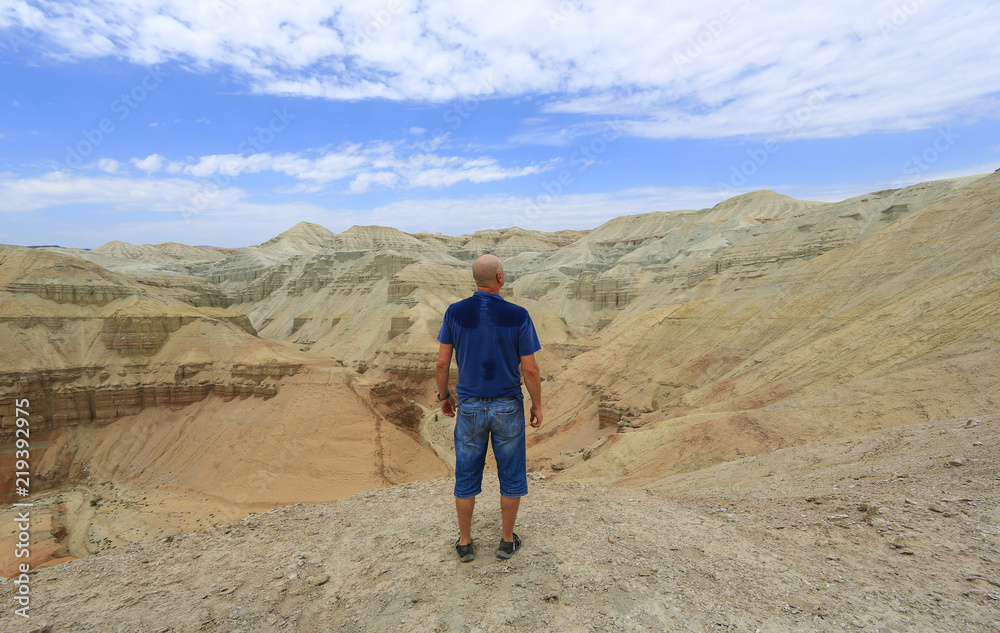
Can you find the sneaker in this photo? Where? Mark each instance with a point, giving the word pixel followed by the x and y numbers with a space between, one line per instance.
pixel 507 548
pixel 465 553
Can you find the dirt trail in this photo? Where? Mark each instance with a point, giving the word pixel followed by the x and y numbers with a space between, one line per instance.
pixel 82 518
pixel 379 455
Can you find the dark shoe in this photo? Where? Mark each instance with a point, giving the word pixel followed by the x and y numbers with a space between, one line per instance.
pixel 507 548
pixel 465 553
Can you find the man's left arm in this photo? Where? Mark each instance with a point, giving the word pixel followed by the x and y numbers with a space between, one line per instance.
pixel 533 381
pixel 442 372
pixel 528 342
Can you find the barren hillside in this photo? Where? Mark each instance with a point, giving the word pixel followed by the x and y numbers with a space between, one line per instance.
pixel 185 407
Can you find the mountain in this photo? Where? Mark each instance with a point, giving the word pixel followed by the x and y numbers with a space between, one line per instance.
pixel 187 386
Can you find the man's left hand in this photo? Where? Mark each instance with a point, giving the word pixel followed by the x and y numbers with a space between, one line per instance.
pixel 448 407
pixel 536 416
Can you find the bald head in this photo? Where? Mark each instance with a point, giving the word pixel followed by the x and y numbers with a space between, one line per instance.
pixel 484 271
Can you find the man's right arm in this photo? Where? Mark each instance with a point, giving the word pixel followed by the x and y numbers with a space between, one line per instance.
pixel 533 381
pixel 442 371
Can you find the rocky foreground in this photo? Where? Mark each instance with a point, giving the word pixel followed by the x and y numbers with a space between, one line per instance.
pixel 895 530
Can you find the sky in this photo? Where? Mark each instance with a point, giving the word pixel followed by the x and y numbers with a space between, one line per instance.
pixel 226 122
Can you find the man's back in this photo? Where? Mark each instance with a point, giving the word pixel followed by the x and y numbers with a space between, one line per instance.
pixel 489 335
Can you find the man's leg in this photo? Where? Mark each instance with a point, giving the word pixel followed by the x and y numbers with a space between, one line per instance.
pixel 471 439
pixel 508 512
pixel 464 507
pixel 507 428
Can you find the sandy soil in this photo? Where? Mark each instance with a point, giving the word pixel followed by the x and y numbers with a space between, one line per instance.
pixel 897 530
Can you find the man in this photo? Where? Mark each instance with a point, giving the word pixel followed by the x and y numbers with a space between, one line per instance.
pixel 495 343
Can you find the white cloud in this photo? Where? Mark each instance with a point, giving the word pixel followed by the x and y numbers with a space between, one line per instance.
pixel 242 224
pixel 151 164
pixel 377 163
pixel 148 210
pixel 477 170
pixel 711 69
pixel 454 216
pixel 190 212
pixel 122 193
pixel 362 182
pixel 109 165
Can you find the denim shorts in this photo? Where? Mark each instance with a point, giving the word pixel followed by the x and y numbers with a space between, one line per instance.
pixel 501 422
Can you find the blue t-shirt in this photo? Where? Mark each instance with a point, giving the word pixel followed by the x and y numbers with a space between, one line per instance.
pixel 489 335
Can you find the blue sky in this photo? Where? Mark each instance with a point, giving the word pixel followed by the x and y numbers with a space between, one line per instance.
pixel 225 122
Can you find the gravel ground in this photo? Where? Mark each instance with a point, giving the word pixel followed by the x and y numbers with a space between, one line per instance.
pixel 894 531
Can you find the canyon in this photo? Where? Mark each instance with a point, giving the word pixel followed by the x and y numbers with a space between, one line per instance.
pixel 694 357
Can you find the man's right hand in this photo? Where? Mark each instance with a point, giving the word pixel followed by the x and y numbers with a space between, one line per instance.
pixel 536 416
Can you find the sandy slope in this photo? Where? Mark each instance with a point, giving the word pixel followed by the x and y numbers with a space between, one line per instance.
pixel 165 471
pixel 896 326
